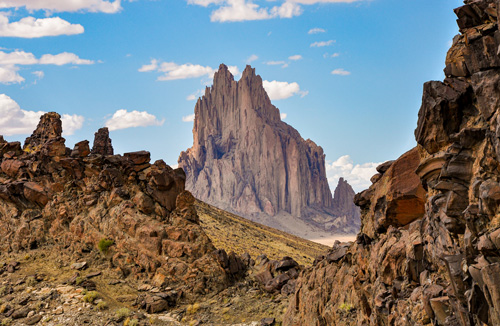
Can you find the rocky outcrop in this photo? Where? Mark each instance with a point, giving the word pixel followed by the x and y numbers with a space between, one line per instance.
pixel 429 246
pixel 343 201
pixel 246 160
pixel 102 142
pixel 74 200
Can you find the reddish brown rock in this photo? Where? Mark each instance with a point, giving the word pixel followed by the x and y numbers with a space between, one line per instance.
pixel 81 149
pixel 102 143
pixel 428 251
pixel 11 167
pixel 246 160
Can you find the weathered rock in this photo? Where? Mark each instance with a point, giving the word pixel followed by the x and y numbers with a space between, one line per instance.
pixel 428 251
pixel 102 143
pixel 81 149
pixel 246 160
pixel 49 128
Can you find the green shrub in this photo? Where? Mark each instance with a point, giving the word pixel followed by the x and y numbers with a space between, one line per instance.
pixel 346 307
pixel 102 305
pixel 91 296
pixel 122 313
pixel 104 245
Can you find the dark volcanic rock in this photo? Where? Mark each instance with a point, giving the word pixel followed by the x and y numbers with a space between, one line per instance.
pixel 72 201
pixel 102 143
pixel 429 251
pixel 246 160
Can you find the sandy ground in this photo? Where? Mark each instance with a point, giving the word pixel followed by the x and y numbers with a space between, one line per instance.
pixel 328 241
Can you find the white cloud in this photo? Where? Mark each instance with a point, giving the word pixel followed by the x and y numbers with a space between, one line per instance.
pixel 9 75
pixel 295 57
pixel 312 2
pixel 281 90
pixel 40 74
pixel 322 44
pixel 64 5
pixel 123 119
pixel 283 64
pixel 188 118
pixel 71 123
pixel 150 67
pixel 174 71
pixel 334 55
pixel 283 116
pixel 63 59
pixel 15 121
pixel 30 27
pixel 10 61
pixel 316 30
pixel 252 58
pixel 358 175
pixel 244 10
pixel 205 3
pixel 195 95
pixel 341 72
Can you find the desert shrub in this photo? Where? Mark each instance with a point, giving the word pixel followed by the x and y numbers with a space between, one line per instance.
pixel 131 322
pixel 103 305
pixel 104 244
pixel 122 313
pixel 346 307
pixel 192 308
pixel 90 296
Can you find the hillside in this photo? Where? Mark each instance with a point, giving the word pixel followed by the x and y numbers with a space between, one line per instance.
pixel 234 233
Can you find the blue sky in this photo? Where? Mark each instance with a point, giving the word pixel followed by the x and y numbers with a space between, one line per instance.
pixel 348 74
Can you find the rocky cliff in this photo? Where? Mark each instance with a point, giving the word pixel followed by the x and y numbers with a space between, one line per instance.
pixel 429 246
pixel 72 200
pixel 246 160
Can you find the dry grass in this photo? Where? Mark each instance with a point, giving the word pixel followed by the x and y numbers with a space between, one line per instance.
pixel 234 233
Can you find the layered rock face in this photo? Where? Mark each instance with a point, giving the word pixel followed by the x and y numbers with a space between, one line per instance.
pixel 429 247
pixel 246 160
pixel 71 200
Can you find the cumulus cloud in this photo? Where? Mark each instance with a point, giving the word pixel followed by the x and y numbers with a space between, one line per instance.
pixel 312 2
pixel 316 30
pixel 295 57
pixel 174 71
pixel 281 90
pixel 39 74
pixel 9 63
pixel 244 10
pixel 283 64
pixel 16 121
pixel 188 118
pixel 322 44
pixel 30 27
pixel 283 116
pixel 340 72
pixel 65 5
pixel 150 67
pixel 358 175
pixel 122 119
pixel 9 75
pixel 63 59
pixel 252 58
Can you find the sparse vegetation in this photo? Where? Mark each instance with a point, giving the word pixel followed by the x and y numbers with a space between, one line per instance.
pixel 102 305
pixel 90 296
pixel 104 245
pixel 79 280
pixel 6 321
pixel 131 322
pixel 30 281
pixel 122 313
pixel 192 309
pixel 346 307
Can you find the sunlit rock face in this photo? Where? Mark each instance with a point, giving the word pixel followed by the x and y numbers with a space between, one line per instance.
pixel 246 160
pixel 429 246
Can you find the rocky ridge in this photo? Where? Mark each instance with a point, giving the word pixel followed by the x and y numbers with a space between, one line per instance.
pixel 429 247
pixel 246 160
pixel 81 226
